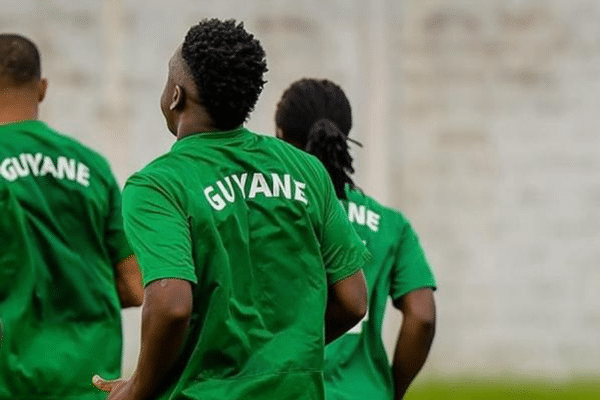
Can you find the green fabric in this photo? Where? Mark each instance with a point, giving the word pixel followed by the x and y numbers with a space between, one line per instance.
pixel 254 224
pixel 356 365
pixel 63 320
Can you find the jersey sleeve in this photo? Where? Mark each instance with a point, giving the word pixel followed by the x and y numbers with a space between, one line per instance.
pixel 159 232
pixel 411 270
pixel 114 237
pixel 343 252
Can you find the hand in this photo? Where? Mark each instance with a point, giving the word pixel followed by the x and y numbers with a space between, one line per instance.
pixel 117 389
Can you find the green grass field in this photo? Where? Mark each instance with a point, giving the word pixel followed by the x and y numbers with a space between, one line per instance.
pixel 468 389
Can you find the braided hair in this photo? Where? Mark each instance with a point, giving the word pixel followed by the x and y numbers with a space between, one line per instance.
pixel 315 115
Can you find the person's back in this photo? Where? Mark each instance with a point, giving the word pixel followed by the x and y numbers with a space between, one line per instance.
pixel 315 115
pixel 256 209
pixel 71 206
pixel 249 261
pixel 356 364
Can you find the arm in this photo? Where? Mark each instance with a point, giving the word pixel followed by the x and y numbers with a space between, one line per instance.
pixel 415 337
pixel 129 282
pixel 165 317
pixel 346 305
pixel 158 231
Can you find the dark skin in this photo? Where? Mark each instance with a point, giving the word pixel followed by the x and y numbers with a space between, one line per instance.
pixel 415 337
pixel 22 103
pixel 346 306
pixel 168 306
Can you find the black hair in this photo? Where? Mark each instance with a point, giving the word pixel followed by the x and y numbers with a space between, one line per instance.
pixel 316 116
pixel 228 65
pixel 19 60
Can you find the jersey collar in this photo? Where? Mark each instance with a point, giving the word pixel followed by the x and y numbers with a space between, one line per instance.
pixel 215 135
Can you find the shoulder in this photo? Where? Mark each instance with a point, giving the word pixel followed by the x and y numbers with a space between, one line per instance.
pixel 287 149
pixel 154 173
pixel 74 146
pixel 85 154
pixel 291 155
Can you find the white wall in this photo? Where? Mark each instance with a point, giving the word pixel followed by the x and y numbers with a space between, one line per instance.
pixel 479 120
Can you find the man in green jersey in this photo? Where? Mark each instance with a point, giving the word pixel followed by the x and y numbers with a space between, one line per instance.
pixel 249 261
pixel 315 115
pixel 61 312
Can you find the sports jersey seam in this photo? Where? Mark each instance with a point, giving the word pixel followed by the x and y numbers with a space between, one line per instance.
pixel 429 285
pixel 355 267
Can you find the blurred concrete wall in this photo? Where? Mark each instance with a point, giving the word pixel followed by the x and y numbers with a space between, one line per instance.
pixel 479 120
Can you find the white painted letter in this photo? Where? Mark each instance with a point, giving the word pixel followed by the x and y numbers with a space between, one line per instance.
pixel 65 167
pixel 299 195
pixel 215 201
pixel 22 170
pixel 373 220
pixel 229 196
pixel 356 213
pixel 34 162
pixel 48 167
pixel 259 185
pixel 7 170
pixel 83 174
pixel 241 182
pixel 284 186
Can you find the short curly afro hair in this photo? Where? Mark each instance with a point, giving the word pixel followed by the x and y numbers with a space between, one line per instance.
pixel 228 65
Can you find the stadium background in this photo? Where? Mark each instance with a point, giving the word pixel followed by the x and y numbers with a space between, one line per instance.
pixel 479 119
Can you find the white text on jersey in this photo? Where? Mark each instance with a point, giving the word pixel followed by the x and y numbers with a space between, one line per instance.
pixel 361 215
pixel 12 168
pixel 223 192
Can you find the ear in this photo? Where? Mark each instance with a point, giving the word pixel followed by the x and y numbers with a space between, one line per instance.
pixel 178 99
pixel 42 87
pixel 279 133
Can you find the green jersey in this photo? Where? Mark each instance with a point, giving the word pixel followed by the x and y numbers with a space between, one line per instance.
pixel 356 365
pixel 253 223
pixel 65 326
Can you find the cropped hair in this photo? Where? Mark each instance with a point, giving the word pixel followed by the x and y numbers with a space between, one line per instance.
pixel 228 65
pixel 19 60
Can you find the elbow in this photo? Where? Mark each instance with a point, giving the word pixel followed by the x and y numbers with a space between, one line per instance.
pixel 178 313
pixel 172 312
pixel 424 322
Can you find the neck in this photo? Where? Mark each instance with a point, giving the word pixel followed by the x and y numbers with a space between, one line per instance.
pixel 15 108
pixel 195 121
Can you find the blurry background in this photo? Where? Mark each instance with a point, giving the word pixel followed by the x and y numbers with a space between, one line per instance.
pixel 480 120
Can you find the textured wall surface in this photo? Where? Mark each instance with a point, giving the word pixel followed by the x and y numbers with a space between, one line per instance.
pixel 479 120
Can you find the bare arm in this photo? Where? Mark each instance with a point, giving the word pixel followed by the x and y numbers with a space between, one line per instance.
pixel 415 337
pixel 165 318
pixel 346 305
pixel 129 282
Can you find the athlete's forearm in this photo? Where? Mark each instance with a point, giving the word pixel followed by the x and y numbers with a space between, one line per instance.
pixel 414 340
pixel 165 317
pixel 129 282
